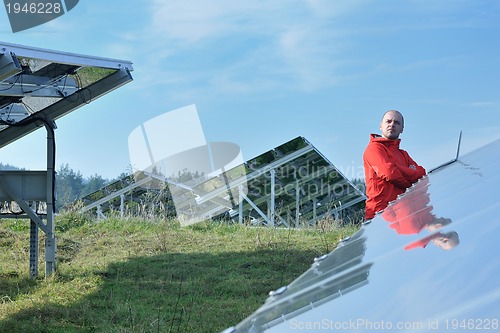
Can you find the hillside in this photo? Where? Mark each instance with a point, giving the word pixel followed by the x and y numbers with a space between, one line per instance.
pixel 133 275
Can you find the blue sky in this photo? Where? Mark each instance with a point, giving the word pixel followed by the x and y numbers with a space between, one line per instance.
pixel 263 72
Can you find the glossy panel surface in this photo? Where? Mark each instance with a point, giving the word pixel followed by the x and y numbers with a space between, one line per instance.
pixel 428 263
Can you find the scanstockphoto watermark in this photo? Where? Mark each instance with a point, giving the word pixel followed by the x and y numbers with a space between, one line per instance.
pixel 24 14
pixel 359 325
pixel 309 179
pixel 362 324
pixel 311 169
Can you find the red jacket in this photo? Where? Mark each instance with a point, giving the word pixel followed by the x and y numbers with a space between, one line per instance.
pixel 411 214
pixel 389 171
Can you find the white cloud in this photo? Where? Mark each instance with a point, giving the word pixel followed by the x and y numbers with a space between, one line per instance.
pixel 192 21
pixel 252 45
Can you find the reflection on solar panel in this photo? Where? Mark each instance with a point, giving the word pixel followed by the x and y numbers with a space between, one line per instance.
pixel 37 87
pixel 291 185
pixel 429 262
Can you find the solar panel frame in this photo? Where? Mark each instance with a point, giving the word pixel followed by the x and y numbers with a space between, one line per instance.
pixel 229 194
pixel 306 181
pixel 37 87
pixel 96 76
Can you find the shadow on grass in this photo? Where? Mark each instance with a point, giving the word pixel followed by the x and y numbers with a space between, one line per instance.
pixel 12 286
pixel 170 292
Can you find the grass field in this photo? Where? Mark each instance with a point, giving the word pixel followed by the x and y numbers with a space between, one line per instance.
pixel 133 275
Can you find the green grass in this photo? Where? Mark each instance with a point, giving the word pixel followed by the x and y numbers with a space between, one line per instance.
pixel 132 275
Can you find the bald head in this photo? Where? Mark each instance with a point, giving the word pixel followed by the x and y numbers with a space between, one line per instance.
pixel 395 112
pixel 447 241
pixel 392 124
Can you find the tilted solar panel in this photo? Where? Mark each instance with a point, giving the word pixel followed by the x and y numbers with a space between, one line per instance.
pixel 37 87
pixel 292 185
pixel 429 262
pixel 38 84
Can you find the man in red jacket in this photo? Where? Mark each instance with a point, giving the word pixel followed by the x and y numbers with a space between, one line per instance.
pixel 389 171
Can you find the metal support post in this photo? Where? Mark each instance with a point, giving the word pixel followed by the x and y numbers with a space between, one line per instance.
pixel 315 202
pixel 297 204
pixel 122 204
pixel 50 240
pixel 257 209
pixel 240 206
pixel 272 203
pixel 33 249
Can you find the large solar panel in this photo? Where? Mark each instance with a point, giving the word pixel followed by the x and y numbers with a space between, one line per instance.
pixel 37 87
pixel 292 185
pixel 46 84
pixel 429 262
pixel 295 185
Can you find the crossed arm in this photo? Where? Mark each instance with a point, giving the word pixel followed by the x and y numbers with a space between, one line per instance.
pixel 401 175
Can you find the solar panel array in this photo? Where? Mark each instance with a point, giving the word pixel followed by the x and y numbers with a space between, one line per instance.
pixel 295 185
pixel 429 262
pixel 292 185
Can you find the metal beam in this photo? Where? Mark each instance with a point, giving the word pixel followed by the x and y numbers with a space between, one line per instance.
pixel 257 209
pixel 64 57
pixel 243 180
pixel 33 249
pixel 50 237
pixel 272 196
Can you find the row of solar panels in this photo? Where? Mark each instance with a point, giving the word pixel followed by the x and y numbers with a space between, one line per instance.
pixel 289 185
